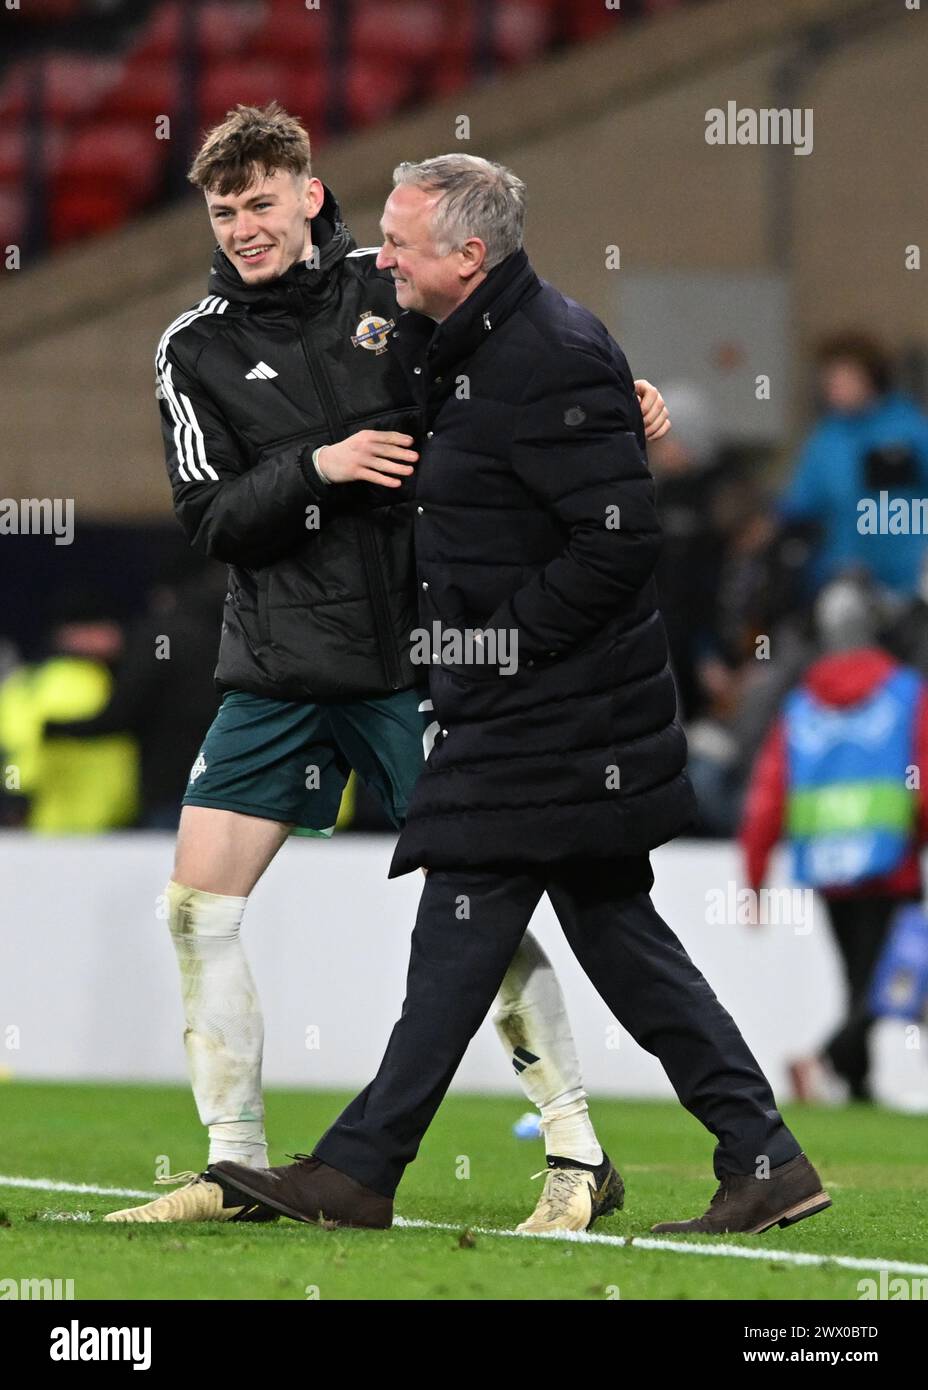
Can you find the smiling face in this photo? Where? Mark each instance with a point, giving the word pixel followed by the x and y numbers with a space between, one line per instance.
pixel 427 278
pixel 264 230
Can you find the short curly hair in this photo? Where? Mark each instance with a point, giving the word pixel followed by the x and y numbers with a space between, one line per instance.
pixel 251 141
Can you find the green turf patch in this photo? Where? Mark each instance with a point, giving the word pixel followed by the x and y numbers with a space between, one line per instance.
pixel 471 1173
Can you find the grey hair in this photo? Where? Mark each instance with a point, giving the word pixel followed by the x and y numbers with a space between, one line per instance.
pixel 479 199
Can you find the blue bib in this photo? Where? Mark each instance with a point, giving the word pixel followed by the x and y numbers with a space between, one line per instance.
pixel 850 806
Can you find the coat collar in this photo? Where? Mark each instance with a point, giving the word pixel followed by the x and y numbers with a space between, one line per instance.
pixel 459 336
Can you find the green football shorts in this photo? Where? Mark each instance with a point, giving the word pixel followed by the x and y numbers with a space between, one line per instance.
pixel 290 761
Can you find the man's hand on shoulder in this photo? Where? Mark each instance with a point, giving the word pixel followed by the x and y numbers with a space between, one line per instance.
pixel 370 456
pixel 653 410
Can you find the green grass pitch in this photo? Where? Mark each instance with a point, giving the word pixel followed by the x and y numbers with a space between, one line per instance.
pixel 873 1162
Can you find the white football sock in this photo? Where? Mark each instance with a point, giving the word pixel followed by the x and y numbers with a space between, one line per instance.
pixel 224 1036
pixel 532 1023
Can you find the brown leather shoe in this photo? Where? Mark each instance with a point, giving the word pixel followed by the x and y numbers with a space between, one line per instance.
pixel 308 1190
pixel 751 1205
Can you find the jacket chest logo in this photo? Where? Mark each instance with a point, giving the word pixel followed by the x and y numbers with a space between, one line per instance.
pixel 372 332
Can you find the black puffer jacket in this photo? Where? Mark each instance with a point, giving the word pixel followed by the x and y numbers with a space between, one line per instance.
pixel 321 591
pixel 536 515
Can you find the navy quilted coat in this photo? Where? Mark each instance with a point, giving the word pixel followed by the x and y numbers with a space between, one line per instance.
pixel 535 521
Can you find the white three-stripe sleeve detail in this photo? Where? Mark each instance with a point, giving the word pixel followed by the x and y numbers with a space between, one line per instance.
pixel 188 436
pixel 182 432
pixel 212 304
pixel 198 439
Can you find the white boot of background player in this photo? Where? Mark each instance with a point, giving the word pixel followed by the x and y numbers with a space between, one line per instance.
pixel 531 1020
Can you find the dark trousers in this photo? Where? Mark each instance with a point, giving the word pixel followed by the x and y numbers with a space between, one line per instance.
pixel 467 930
pixel 860 927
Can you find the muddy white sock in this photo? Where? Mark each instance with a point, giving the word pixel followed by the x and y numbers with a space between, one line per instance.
pixel 532 1023
pixel 241 1143
pixel 568 1129
pixel 224 1035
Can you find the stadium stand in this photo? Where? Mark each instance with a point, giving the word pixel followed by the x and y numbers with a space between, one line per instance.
pixel 77 155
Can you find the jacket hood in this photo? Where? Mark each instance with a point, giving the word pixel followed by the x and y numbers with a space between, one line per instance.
pixel 846 677
pixel 329 234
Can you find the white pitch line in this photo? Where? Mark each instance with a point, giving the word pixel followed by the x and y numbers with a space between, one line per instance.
pixel 53 1185
pixel 679 1247
pixel 675 1247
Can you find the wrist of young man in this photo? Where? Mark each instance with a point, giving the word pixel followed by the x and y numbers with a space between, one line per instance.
pixel 316 453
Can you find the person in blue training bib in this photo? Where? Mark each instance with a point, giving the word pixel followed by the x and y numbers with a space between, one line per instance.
pixel 838 778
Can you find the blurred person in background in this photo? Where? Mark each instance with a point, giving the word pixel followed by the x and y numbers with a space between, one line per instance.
pixel 710 575
pixel 766 637
pixel 739 679
pixel 12 804
pixel 687 470
pixel 868 441
pixel 163 692
pixel 727 575
pixel 838 776
pixel 10 658
pixel 906 633
pixel 84 785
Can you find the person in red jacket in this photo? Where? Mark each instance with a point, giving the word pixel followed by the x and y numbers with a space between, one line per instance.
pixel 842 686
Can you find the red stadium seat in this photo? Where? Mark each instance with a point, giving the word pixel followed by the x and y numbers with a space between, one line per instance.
pixel 408 30
pixel 12 215
pixel 14 91
pixel 228 29
pixel 54 9
pixel 161 35
pixel 450 76
pixel 292 32
pixel 14 154
pixel 146 90
pixel 254 83
pixel 122 156
pixel 308 97
pixel 581 22
pixel 74 84
pixel 252 51
pixel 519 32
pixel 223 29
pixel 81 211
pixel 376 90
pixel 522 30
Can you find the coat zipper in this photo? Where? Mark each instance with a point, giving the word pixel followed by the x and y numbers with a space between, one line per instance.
pixel 372 568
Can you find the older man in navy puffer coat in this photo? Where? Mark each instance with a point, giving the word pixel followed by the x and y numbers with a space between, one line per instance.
pixel 558 761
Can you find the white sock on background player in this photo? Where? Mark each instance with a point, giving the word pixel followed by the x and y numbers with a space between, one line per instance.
pixel 532 1023
pixel 224 1037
